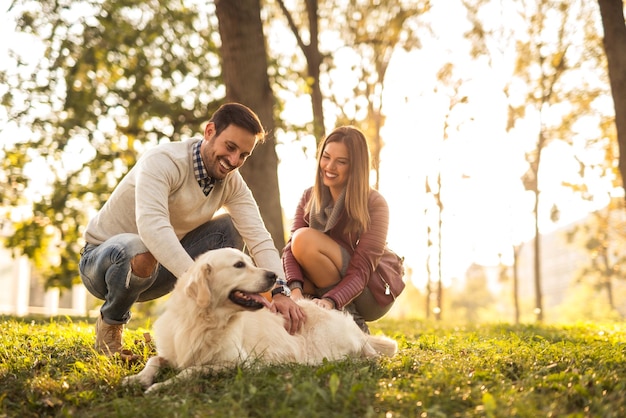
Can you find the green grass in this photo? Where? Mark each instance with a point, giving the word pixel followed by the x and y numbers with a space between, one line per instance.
pixel 48 368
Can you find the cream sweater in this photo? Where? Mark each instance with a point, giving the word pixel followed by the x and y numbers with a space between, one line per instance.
pixel 160 199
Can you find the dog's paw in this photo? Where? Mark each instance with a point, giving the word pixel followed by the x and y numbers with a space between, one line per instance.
pixel 130 380
pixel 137 379
pixel 152 389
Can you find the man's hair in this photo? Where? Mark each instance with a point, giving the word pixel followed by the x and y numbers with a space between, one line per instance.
pixel 239 115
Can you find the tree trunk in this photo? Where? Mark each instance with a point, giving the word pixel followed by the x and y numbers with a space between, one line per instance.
pixel 516 251
pixel 612 12
pixel 439 306
pixel 429 245
pixel 537 265
pixel 607 277
pixel 314 60
pixel 244 67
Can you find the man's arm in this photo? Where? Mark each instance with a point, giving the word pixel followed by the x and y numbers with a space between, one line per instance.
pixel 156 176
pixel 247 219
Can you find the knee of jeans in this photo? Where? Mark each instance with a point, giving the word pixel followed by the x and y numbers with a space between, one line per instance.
pixel 143 265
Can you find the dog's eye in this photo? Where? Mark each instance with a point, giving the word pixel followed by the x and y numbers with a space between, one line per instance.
pixel 239 264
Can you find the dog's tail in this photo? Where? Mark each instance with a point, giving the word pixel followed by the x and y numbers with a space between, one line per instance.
pixel 378 344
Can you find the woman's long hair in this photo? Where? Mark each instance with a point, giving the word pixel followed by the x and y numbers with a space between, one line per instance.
pixel 357 187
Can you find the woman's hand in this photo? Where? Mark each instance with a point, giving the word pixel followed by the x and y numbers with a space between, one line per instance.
pixel 325 303
pixel 296 294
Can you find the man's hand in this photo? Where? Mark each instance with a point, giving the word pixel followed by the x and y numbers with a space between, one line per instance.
pixel 292 313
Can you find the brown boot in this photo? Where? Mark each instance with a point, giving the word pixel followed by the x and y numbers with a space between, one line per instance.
pixel 108 337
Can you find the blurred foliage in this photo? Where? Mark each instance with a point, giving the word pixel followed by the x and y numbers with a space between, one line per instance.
pixel 544 92
pixel 603 237
pixel 113 78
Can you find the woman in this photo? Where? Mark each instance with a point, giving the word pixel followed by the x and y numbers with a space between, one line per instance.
pixel 339 231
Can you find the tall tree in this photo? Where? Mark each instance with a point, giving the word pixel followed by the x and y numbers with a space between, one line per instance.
pixel 309 24
pixel 512 273
pixel 244 67
pixel 375 31
pixel 450 86
pixel 548 45
pixel 603 235
pixel 612 12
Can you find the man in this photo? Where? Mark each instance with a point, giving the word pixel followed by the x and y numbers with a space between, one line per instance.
pixel 163 214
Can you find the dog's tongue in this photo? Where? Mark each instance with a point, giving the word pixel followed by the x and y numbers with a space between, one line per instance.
pixel 260 299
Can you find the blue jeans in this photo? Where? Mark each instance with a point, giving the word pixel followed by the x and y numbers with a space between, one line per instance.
pixel 105 268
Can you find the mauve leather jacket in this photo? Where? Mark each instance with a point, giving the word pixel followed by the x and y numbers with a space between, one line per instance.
pixel 365 248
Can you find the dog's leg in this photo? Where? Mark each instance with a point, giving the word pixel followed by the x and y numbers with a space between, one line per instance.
pixel 185 374
pixel 146 376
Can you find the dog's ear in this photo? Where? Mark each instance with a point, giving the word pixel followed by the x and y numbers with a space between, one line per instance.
pixel 198 286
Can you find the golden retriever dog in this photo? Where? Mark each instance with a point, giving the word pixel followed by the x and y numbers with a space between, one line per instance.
pixel 216 317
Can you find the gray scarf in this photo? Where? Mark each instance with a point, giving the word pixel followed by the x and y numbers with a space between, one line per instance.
pixel 324 218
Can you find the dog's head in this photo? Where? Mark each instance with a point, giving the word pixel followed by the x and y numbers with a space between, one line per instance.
pixel 227 275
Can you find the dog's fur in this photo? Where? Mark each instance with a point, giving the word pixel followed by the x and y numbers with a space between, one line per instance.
pixel 216 318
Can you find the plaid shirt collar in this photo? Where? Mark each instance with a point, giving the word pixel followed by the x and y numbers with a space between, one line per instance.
pixel 205 182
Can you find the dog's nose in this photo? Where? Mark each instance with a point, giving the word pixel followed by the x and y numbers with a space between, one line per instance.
pixel 270 275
